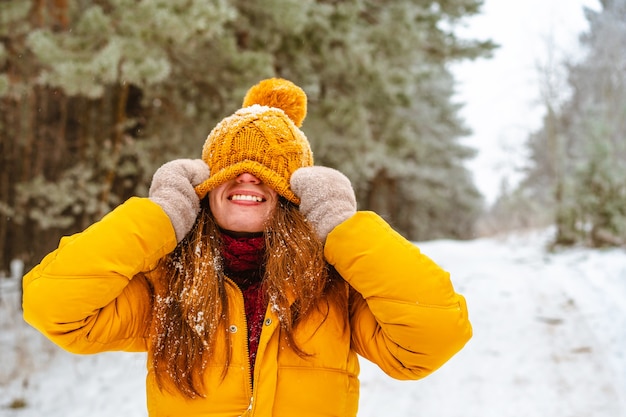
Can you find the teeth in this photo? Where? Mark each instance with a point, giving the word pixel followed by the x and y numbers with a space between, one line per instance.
pixel 242 197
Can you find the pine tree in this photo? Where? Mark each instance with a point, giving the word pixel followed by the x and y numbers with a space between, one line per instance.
pixel 96 95
pixel 580 153
pixel 382 108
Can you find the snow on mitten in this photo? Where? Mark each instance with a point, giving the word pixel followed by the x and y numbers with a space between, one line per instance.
pixel 326 197
pixel 172 188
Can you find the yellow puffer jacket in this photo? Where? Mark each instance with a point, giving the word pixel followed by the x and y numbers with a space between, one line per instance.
pixel 87 297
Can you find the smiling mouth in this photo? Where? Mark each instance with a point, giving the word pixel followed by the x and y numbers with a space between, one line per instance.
pixel 245 197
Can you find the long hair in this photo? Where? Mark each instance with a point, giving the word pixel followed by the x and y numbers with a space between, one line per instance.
pixel 191 307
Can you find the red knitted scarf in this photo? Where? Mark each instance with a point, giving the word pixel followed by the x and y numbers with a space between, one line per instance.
pixel 243 263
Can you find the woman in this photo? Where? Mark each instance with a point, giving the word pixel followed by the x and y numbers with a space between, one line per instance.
pixel 250 279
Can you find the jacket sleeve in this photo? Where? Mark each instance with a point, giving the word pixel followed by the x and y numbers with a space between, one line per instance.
pixel 88 295
pixel 405 315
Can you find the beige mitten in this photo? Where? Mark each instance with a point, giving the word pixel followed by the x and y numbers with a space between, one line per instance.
pixel 326 197
pixel 173 189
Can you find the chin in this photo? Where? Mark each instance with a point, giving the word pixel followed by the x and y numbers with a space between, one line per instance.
pixel 245 229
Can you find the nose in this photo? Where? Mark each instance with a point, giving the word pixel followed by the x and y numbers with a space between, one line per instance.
pixel 247 178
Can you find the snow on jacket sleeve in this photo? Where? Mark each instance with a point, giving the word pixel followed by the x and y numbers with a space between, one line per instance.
pixel 86 295
pixel 406 317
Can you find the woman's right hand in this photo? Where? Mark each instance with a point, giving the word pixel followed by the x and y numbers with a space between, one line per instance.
pixel 172 188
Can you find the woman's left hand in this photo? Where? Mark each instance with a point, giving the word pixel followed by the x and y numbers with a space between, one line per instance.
pixel 326 197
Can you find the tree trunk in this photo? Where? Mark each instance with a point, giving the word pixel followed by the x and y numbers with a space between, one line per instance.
pixel 60 13
pixel 7 112
pixel 116 145
pixel 381 198
pixel 37 13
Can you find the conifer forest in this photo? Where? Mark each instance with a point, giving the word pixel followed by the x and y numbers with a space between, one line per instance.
pixel 96 94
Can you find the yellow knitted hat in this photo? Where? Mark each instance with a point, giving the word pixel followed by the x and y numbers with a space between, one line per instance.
pixel 262 138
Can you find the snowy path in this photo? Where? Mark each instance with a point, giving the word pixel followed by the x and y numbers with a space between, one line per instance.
pixel 549 333
pixel 549 336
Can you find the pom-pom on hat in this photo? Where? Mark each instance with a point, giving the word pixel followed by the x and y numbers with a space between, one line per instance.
pixel 262 138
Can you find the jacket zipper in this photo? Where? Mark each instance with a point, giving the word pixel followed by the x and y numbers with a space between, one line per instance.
pixel 246 348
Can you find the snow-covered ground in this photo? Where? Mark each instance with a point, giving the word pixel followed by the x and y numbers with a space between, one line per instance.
pixel 549 340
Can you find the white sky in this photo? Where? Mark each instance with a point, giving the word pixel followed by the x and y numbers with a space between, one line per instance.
pixel 502 94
